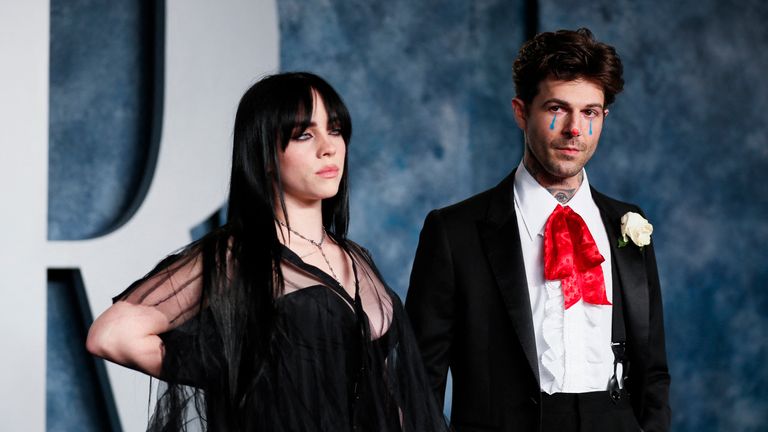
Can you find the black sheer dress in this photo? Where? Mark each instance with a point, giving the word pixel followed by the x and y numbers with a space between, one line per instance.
pixel 333 362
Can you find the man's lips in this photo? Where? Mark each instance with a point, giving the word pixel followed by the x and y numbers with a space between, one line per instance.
pixel 568 150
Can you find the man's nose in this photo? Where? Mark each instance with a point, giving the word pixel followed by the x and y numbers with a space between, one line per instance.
pixel 572 126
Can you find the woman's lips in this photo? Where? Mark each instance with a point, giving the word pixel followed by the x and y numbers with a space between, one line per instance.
pixel 329 171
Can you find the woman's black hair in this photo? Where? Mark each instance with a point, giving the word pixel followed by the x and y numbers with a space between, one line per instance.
pixel 238 356
pixel 270 113
pixel 241 261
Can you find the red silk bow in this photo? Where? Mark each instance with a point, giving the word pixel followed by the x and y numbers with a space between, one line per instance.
pixel 571 256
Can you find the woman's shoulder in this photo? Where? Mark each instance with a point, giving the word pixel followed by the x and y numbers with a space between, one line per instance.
pixel 358 249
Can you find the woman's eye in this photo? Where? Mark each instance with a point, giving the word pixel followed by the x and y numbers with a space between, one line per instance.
pixel 335 131
pixel 303 136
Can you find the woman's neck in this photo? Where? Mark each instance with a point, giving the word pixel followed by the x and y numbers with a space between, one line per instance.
pixel 303 218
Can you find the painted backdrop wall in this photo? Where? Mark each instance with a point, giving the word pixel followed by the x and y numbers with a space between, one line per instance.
pixel 428 84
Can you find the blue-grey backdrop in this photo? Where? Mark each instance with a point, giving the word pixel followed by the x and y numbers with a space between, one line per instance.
pixel 429 84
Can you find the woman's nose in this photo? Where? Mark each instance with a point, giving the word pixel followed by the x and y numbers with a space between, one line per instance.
pixel 326 146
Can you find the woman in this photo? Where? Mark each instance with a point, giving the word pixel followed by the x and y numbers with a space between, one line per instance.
pixel 275 321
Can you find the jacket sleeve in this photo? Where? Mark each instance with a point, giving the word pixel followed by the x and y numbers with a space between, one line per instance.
pixel 430 302
pixel 656 415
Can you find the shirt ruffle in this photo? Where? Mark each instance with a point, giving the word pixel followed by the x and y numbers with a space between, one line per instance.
pixel 553 359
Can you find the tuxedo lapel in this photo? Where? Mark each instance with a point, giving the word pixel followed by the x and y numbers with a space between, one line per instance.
pixel 628 270
pixel 501 242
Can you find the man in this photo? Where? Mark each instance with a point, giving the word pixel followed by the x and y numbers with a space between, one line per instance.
pixel 549 317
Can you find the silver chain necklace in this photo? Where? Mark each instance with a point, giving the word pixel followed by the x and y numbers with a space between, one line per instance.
pixel 318 245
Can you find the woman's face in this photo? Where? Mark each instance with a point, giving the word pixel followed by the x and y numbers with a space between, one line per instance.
pixel 313 162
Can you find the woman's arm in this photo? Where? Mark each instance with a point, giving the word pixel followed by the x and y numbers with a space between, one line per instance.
pixel 128 334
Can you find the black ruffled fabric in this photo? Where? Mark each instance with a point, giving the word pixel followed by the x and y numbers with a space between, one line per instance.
pixel 323 367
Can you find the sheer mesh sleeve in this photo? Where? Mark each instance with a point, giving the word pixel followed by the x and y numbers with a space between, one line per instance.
pixel 174 287
pixel 398 381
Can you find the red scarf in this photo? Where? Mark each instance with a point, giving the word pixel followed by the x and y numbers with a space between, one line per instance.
pixel 571 256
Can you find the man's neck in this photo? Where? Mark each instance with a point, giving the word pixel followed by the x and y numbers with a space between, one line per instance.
pixel 562 189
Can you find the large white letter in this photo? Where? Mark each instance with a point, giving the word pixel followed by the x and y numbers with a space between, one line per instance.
pixel 213 52
pixel 23 217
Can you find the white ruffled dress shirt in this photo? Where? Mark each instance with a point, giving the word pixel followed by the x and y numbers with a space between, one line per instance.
pixel 574 345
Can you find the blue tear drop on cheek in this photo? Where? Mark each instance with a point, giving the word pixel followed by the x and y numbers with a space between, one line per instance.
pixel 590 126
pixel 552 125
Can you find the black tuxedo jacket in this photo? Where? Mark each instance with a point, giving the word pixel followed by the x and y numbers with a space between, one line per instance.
pixel 469 306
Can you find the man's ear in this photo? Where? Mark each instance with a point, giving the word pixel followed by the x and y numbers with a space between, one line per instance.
pixel 518 106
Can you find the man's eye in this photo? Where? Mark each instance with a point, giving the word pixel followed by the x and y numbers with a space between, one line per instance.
pixel 555 109
pixel 590 113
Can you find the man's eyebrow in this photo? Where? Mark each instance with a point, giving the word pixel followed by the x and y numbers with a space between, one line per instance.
pixel 555 100
pixel 565 103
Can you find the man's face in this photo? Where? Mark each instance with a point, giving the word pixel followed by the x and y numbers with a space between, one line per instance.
pixel 562 126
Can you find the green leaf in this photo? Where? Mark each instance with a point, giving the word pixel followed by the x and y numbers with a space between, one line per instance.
pixel 622 242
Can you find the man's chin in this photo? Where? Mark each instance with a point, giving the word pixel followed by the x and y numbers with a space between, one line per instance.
pixel 563 174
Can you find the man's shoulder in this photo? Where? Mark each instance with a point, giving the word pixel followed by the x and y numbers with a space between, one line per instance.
pixel 479 205
pixel 613 205
pixel 469 207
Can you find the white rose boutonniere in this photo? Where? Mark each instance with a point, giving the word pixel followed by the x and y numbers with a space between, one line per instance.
pixel 636 228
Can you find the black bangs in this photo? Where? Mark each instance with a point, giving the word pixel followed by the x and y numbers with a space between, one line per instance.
pixel 294 111
pixel 294 100
pixel 338 116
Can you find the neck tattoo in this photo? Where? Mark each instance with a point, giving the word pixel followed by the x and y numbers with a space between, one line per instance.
pixel 317 244
pixel 562 195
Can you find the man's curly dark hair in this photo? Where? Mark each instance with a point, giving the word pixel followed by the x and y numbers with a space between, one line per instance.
pixel 567 55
